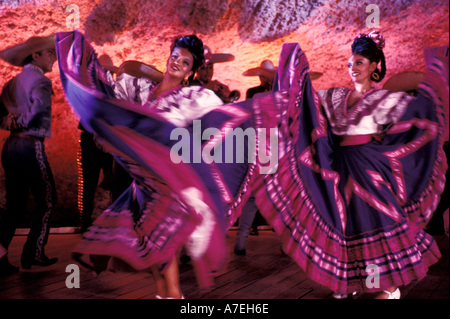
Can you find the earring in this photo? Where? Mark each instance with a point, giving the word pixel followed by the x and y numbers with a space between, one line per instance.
pixel 375 76
pixel 185 82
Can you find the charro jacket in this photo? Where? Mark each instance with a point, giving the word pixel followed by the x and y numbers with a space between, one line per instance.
pixel 28 97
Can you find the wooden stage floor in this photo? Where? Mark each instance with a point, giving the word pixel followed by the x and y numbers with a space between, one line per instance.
pixel 264 273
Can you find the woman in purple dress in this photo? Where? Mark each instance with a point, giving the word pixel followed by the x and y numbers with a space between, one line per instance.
pixel 164 209
pixel 361 173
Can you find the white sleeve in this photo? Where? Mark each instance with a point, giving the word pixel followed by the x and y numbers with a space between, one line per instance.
pixel 391 108
pixel 201 102
pixel 132 89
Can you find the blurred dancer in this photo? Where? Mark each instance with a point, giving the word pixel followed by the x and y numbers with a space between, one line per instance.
pixel 250 217
pixel 205 73
pixel 266 73
pixel 92 160
pixel 148 224
pixel 247 222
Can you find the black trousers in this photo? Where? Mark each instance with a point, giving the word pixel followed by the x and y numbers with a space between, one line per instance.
pixel 91 161
pixel 27 169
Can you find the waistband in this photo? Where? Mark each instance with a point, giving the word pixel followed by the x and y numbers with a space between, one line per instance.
pixel 37 138
pixel 348 140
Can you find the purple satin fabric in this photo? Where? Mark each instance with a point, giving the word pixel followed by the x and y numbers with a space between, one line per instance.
pixel 341 210
pixel 337 209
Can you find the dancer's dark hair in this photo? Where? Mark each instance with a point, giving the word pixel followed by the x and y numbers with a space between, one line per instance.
pixel 371 47
pixel 194 45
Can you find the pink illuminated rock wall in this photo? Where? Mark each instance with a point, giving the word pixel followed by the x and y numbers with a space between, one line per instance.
pixel 252 30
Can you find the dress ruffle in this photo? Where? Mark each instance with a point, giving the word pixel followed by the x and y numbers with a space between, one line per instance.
pixel 340 211
pixel 171 204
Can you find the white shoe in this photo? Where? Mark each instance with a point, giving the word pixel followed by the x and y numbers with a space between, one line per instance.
pixel 393 295
pixel 343 296
pixel 340 296
pixel 159 297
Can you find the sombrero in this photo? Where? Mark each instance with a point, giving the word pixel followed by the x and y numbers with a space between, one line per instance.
pixel 314 75
pixel 216 57
pixel 139 69
pixel 106 62
pixel 266 69
pixel 404 81
pixel 16 55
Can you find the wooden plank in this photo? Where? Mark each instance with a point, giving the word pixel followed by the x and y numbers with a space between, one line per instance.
pixel 265 280
pixel 264 273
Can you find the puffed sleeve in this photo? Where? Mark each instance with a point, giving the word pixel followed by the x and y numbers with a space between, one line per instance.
pixel 322 94
pixel 132 89
pixel 331 99
pixel 198 101
pixel 391 107
pixel 187 104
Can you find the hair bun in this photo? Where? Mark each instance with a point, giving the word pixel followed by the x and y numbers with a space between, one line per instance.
pixel 376 37
pixel 194 45
pixel 371 47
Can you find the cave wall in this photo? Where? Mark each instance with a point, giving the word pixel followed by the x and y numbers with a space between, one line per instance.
pixel 252 30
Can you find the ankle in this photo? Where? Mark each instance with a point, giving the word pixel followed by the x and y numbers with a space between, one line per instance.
pixel 174 295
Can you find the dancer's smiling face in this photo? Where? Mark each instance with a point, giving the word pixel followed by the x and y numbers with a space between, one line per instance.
pixel 360 68
pixel 179 63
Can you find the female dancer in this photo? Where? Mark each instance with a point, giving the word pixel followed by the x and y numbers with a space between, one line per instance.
pixel 362 173
pixel 169 205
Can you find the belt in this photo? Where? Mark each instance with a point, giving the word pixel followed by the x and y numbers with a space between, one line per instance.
pixel 41 139
pixel 347 140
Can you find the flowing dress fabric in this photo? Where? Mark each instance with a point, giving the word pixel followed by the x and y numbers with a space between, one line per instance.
pixel 338 210
pixel 171 203
pixel 352 216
